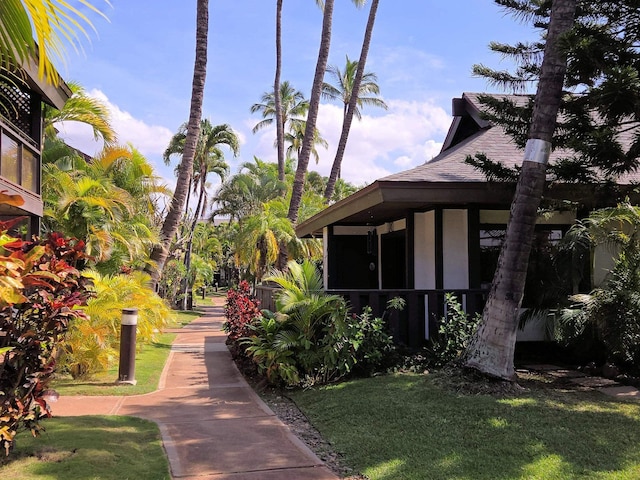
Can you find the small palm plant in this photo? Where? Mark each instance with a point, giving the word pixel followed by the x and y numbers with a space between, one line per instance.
pixel 313 338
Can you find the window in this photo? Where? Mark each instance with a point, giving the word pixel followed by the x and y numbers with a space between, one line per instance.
pixel 9 161
pixel 543 275
pixel 30 171
pixel 19 164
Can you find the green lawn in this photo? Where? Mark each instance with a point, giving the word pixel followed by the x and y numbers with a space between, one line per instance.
pixel 89 448
pixel 150 362
pixel 406 426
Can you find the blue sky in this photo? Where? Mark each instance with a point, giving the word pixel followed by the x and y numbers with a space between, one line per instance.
pixel 141 63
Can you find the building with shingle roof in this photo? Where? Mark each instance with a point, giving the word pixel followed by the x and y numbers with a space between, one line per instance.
pixel 438 227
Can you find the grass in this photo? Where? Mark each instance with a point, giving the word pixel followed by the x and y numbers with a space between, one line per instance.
pixel 150 362
pixel 89 448
pixel 408 426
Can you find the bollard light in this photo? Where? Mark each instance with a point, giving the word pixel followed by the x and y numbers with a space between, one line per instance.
pixel 127 366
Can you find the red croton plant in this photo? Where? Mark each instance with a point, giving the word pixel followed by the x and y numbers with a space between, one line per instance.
pixel 40 290
pixel 241 308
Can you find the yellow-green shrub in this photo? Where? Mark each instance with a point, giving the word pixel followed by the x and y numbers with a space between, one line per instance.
pixel 92 344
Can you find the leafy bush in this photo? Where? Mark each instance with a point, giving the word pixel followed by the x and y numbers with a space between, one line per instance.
pixel 241 308
pixel 454 333
pixel 92 344
pixel 269 350
pixel 609 315
pixel 40 289
pixel 313 338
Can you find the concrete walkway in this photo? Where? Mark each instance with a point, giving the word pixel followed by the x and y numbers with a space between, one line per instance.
pixel 213 425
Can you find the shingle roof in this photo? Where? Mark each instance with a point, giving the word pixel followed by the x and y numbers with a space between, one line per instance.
pixel 450 166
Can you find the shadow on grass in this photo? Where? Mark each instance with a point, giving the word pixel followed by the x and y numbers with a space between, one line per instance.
pixel 431 433
pixel 90 447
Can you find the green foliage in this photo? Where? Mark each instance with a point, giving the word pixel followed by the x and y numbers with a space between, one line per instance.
pixel 241 308
pixel 604 324
pixel 594 129
pixel 454 333
pixel 269 349
pixel 109 203
pixel 40 289
pixel 92 343
pixel 313 338
pixel 609 314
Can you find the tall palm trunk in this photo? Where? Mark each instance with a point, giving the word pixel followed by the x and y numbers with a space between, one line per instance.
pixel 492 348
pixel 314 104
pixel 350 109
pixel 189 247
pixel 172 220
pixel 276 92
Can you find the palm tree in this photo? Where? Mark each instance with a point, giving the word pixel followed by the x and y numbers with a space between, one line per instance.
pixel 291 112
pixel 277 97
pixel 36 30
pixel 80 108
pixel 108 203
pixel 208 159
pixel 345 81
pixel 258 240
pixel 314 104
pixel 244 193
pixel 294 107
pixel 492 348
pixel 172 220
pixel 353 80
pixel 295 139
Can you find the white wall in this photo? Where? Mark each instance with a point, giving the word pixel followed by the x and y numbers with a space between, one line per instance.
pixel 455 243
pixel 425 251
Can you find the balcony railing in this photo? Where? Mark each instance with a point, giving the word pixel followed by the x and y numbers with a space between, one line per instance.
pixel 415 323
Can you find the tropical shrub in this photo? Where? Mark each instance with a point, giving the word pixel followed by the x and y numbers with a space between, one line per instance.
pixel 241 308
pixel 269 351
pixel 313 338
pixel 40 289
pixel 454 333
pixel 610 315
pixel 92 343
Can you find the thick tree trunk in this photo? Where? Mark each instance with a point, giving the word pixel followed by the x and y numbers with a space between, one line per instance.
pixel 348 118
pixel 170 226
pixel 492 348
pixel 276 92
pixel 314 104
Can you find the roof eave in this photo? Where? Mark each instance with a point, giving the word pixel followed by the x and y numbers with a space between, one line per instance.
pixel 54 96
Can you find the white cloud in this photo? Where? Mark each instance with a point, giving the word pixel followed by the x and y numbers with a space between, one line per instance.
pixel 406 135
pixel 151 140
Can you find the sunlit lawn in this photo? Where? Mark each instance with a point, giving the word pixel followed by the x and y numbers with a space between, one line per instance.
pixel 407 427
pixel 89 448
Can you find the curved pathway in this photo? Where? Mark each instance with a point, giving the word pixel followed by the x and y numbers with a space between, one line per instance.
pixel 213 425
